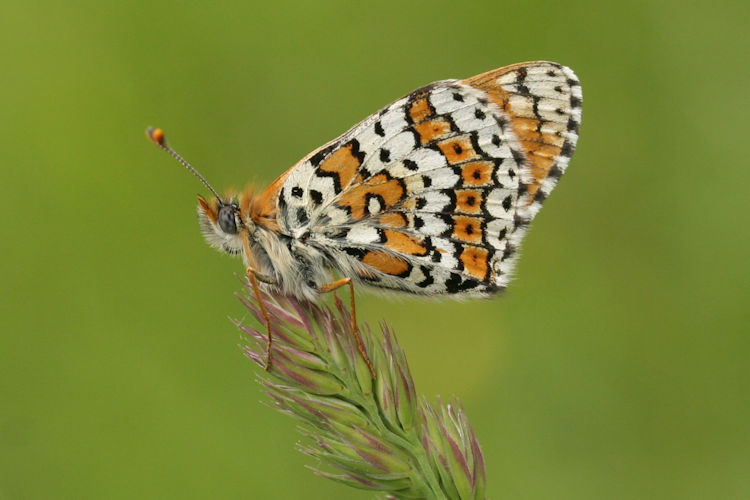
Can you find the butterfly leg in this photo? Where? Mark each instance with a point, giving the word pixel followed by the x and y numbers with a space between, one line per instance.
pixel 254 277
pixel 329 287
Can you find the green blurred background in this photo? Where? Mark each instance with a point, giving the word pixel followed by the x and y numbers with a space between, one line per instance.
pixel 614 367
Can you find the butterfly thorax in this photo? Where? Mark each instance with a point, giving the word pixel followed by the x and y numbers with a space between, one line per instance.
pixel 284 262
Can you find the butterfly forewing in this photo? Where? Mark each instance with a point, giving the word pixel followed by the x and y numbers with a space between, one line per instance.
pixel 433 194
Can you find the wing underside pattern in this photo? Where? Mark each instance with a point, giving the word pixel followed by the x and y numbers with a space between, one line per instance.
pixel 433 194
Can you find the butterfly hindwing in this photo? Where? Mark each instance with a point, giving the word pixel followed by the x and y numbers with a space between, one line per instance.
pixel 543 101
pixel 433 194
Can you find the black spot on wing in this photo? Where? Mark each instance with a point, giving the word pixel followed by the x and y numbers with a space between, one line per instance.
pixel 518 156
pixel 302 217
pixel 572 125
pixel 507 202
pixel 359 253
pixel 521 82
pixel 356 151
pixel 428 280
pixel 555 172
pixel 508 252
pixel 456 283
pixel 316 196
pixel 411 165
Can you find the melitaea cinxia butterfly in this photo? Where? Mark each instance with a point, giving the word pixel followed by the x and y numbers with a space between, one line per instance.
pixel 429 196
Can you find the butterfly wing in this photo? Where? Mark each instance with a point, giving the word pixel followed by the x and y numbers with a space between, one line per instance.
pixel 433 194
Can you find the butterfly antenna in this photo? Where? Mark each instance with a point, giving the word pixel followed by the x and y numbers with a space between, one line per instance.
pixel 156 135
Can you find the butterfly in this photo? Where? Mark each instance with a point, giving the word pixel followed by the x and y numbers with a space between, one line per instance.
pixel 429 196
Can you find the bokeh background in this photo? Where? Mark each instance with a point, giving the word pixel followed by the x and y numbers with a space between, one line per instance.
pixel 616 365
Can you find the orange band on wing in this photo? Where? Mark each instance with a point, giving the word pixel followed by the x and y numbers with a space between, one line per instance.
pixel 432 130
pixel 468 229
pixel 474 260
pixel 420 109
pixel 385 262
pixel 469 201
pixel 343 163
pixel 477 173
pixel 391 191
pixel 458 150
pixel 403 243
pixel 393 219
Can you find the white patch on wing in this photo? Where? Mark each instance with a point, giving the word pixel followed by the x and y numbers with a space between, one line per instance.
pixel 323 185
pixel 434 201
pixel 299 178
pixel 427 159
pixel 503 174
pixel 497 201
pixel 432 225
pixel 363 234
pixel 522 106
pixel 485 138
pixel 466 118
pixel 368 140
pixel 494 232
pixel 374 206
pixel 444 102
pixel 390 152
pixel 442 178
pixel 446 249
pixel 548 110
pixel 416 274
pixel 336 216
pixel 414 184
pixel 393 120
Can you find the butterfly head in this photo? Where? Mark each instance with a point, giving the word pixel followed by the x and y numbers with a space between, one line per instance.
pixel 221 223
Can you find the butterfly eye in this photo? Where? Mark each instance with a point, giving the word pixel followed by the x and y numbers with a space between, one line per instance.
pixel 227 221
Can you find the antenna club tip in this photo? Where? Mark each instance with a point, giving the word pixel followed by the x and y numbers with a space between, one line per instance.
pixel 156 135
